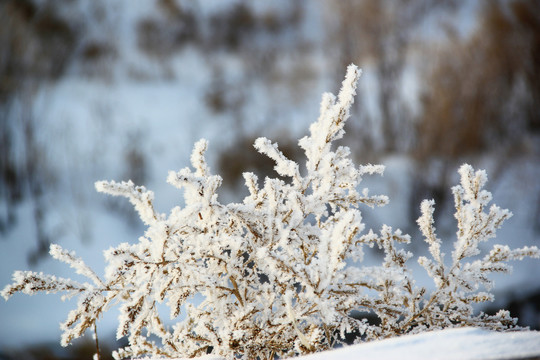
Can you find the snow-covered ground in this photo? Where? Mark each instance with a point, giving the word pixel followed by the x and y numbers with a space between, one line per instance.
pixel 451 344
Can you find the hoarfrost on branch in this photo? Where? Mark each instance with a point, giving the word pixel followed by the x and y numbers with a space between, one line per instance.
pixel 280 273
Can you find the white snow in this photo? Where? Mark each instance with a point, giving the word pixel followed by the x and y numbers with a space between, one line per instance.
pixel 461 343
pixel 450 344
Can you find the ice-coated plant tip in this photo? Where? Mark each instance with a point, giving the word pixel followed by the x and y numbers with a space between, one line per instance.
pixel 271 271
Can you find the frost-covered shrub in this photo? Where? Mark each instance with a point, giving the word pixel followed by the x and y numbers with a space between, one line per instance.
pixel 280 273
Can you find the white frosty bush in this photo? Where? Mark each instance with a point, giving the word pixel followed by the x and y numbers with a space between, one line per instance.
pixel 280 273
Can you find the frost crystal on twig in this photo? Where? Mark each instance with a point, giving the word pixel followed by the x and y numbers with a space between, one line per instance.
pixel 280 273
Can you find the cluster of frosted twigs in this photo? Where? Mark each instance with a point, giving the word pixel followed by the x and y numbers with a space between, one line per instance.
pixel 280 273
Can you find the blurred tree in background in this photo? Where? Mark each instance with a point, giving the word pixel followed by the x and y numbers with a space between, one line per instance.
pixel 37 44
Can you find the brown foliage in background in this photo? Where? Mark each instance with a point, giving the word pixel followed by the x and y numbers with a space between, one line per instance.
pixel 485 91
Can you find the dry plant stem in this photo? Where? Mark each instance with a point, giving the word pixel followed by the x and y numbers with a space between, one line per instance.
pixel 98 352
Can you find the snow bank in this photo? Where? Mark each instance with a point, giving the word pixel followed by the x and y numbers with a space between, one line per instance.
pixel 462 344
